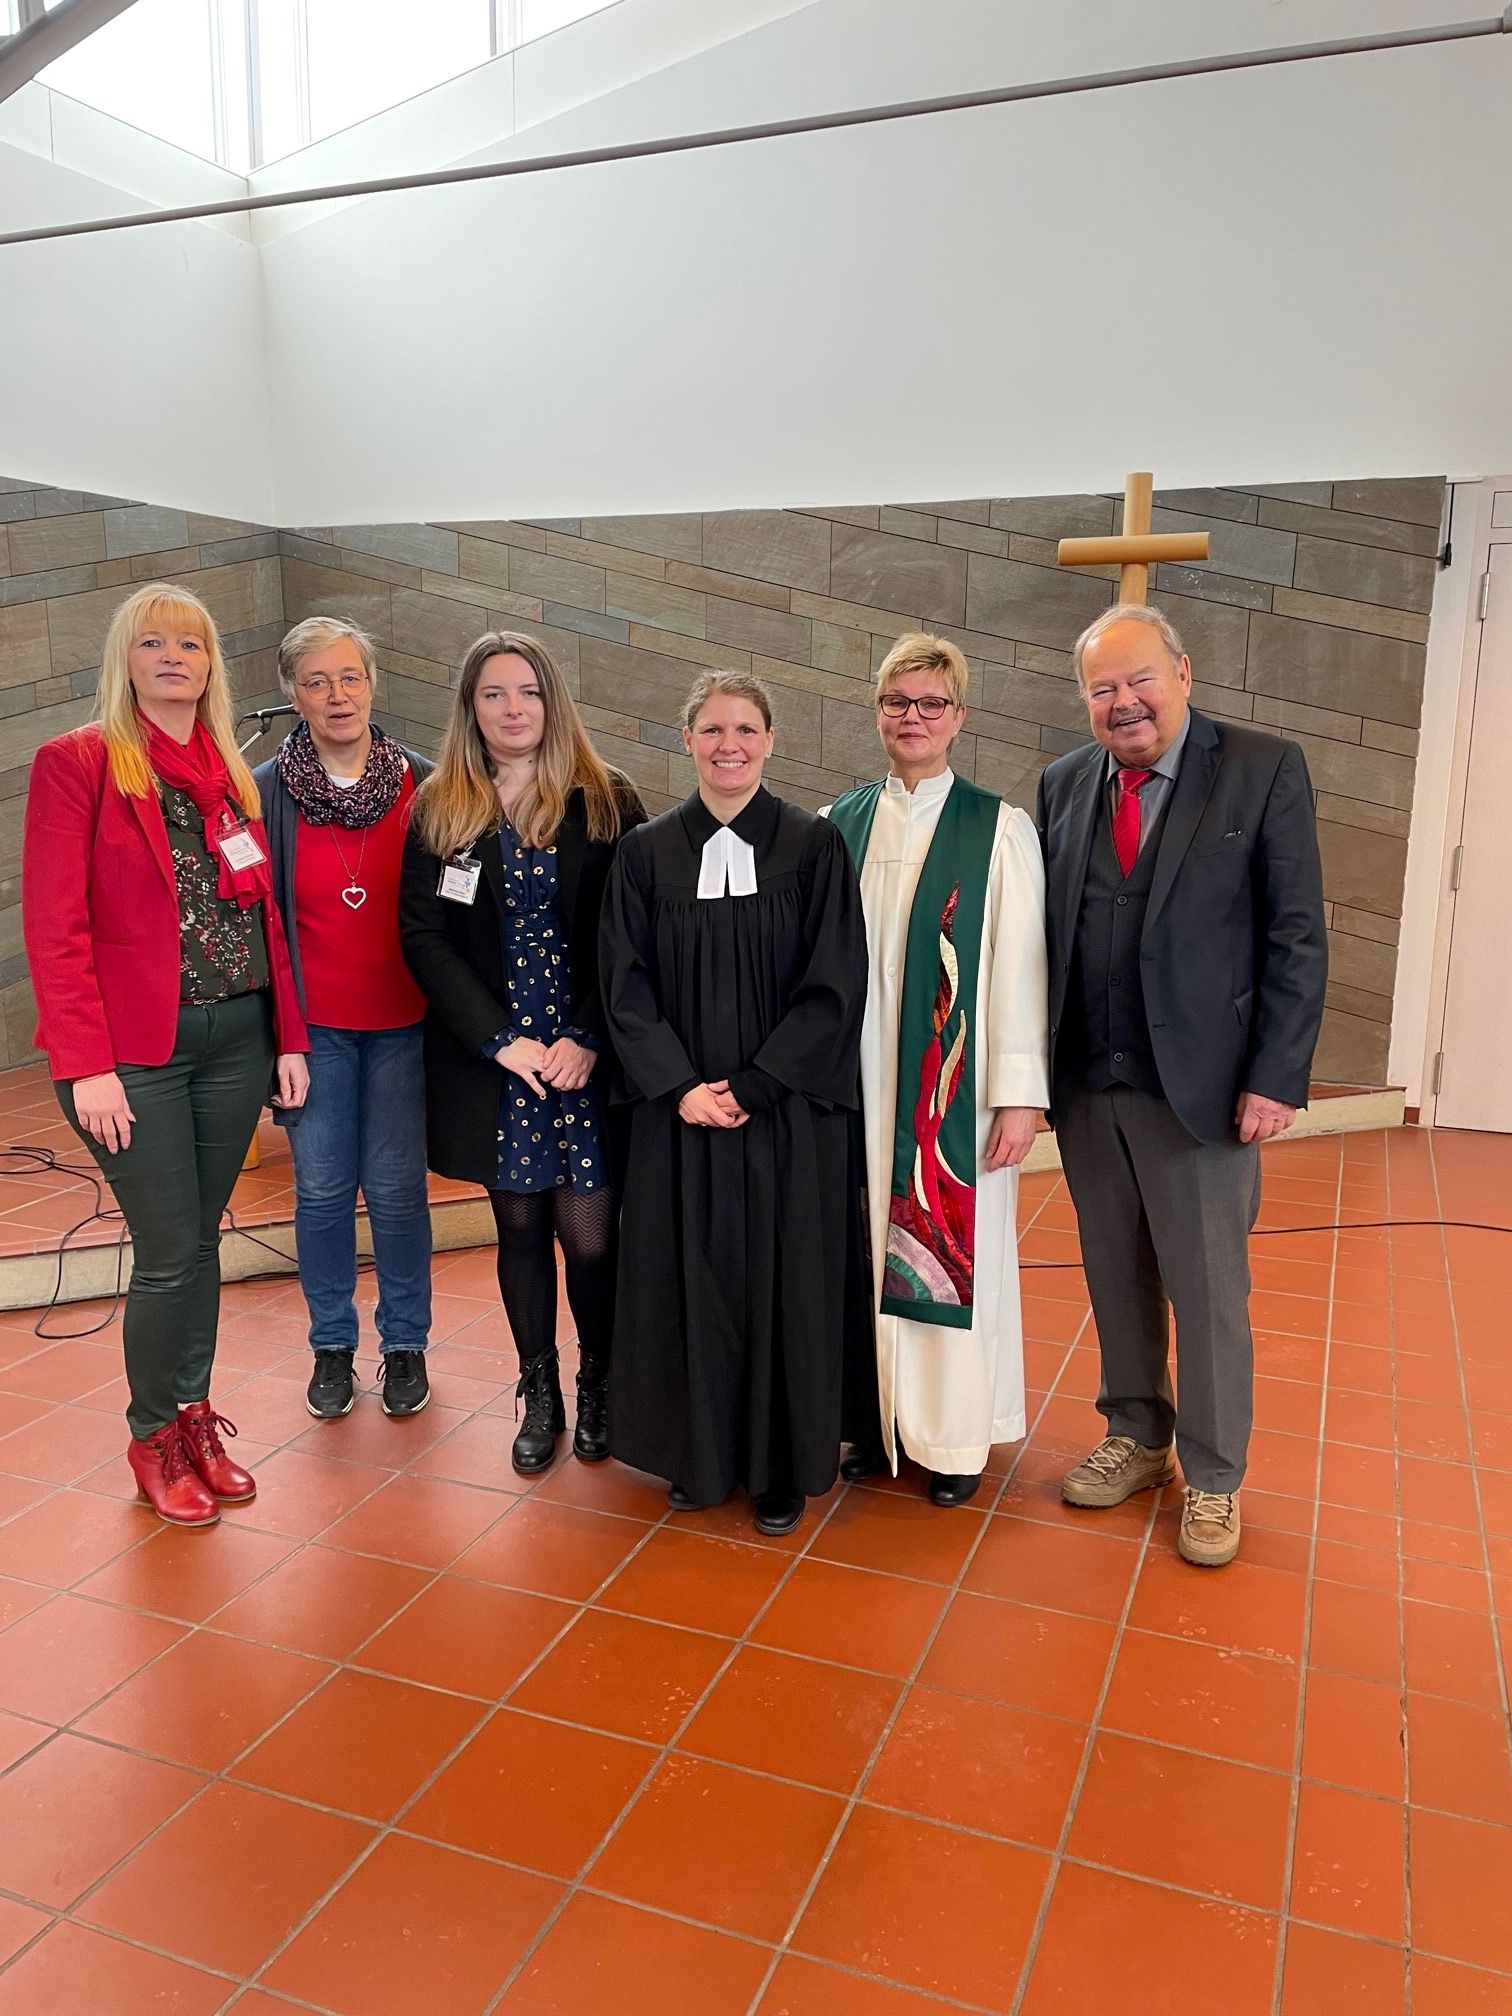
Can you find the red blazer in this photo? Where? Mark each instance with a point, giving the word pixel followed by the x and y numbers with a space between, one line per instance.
pixel 101 921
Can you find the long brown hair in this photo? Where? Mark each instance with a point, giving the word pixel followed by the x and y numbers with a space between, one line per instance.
pixel 457 804
pixel 160 605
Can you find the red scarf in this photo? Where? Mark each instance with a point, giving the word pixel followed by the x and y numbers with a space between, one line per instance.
pixel 198 768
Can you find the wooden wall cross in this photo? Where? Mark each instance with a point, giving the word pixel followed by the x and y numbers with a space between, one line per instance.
pixel 1135 550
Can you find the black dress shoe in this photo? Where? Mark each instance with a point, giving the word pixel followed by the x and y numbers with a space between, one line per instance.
pixel 590 1438
pixel 862 1463
pixel 330 1394
pixel 779 1510
pixel 948 1490
pixel 679 1500
pixel 540 1393
pixel 406 1383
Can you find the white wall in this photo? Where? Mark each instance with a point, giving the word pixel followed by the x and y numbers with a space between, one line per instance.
pixel 1269 276
pixel 1240 277
pixel 132 363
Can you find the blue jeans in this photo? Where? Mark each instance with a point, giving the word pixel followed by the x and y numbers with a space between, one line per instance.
pixel 363 1126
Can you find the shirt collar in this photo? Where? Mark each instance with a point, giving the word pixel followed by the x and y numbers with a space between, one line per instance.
pixel 926 790
pixel 754 823
pixel 1164 766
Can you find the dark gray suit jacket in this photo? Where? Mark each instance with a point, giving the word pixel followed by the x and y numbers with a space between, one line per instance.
pixel 1234 956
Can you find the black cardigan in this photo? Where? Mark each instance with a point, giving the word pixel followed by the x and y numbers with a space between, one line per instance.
pixel 456 953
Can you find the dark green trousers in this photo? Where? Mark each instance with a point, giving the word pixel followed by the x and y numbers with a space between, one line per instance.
pixel 195 1116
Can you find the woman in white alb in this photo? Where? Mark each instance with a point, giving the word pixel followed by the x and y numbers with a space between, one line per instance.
pixel 956 1010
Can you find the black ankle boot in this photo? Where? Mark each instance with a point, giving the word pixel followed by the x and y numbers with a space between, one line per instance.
pixel 590 1440
pixel 540 1393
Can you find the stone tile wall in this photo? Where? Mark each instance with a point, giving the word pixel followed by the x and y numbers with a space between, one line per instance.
pixel 1310 619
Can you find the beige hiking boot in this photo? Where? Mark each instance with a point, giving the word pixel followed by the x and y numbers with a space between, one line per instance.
pixel 1116 1469
pixel 1209 1527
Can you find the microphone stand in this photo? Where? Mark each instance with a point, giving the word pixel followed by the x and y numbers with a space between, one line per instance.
pixel 263 716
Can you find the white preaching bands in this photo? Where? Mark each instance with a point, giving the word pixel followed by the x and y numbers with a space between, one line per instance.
pixel 728 866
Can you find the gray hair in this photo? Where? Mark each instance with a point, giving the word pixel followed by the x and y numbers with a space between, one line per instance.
pixel 1128 612
pixel 312 635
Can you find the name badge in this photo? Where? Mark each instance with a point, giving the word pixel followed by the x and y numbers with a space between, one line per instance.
pixel 459 880
pixel 240 848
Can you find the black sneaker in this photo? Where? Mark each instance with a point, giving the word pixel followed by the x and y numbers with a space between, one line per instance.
pixel 406 1384
pixel 330 1392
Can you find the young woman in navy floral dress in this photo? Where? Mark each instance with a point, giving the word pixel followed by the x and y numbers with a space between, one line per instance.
pixel 504 872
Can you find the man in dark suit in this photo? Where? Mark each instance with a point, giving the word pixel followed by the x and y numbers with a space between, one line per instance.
pixel 1188 961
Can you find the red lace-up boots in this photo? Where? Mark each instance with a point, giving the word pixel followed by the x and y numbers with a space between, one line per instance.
pixel 168 1481
pixel 200 1429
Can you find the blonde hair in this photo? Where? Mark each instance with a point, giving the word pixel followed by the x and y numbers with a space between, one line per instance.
pixel 733 685
pixel 919 652
pixel 312 635
pixel 1128 612
pixel 160 605
pixel 457 804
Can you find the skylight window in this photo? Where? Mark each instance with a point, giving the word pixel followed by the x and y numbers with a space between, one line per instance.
pixel 246 82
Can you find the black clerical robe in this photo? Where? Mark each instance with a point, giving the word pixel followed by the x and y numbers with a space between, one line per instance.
pixel 735 1243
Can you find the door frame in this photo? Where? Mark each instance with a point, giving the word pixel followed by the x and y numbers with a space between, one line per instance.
pixel 1440 785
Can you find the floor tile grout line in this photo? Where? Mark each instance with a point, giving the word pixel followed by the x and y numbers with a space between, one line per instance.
pixel 1304 1669
pixel 1060 1855
pixel 223 1775
pixel 1408 1985
pixel 580 1881
pixel 913 1680
pixel 1473 1466
pixel 385 1831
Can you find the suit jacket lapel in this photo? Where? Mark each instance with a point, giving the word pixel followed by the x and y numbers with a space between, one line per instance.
pixel 149 811
pixel 1081 823
pixel 1194 784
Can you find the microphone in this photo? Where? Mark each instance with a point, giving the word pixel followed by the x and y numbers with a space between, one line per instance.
pixel 262 716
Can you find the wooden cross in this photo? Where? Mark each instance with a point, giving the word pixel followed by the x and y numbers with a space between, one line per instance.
pixel 1134 551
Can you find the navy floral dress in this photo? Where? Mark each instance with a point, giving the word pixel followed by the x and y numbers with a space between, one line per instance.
pixel 555 1141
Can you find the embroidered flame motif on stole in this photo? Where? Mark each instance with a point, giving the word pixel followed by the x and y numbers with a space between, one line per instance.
pixel 931 1229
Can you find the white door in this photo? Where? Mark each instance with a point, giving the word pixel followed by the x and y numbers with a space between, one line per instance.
pixel 1475 1084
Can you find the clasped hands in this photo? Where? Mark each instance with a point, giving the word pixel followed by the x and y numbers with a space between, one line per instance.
pixel 566 1065
pixel 712 1105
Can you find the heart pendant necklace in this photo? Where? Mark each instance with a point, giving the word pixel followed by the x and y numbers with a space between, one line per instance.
pixel 353 895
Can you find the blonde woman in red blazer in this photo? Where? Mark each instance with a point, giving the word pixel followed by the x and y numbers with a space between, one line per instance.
pixel 165 1003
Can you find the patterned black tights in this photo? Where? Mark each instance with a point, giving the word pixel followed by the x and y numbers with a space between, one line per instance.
pixel 529 1225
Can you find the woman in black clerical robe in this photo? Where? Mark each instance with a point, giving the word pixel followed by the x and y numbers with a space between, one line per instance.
pixel 734 971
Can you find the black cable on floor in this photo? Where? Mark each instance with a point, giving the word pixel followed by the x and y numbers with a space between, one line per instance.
pixel 46 1161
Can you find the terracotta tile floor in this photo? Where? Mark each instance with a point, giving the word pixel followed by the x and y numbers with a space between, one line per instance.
pixel 405 1735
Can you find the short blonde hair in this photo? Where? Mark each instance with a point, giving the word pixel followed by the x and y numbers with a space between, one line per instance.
pixel 313 635
pixel 1128 612
pixel 735 686
pixel 919 652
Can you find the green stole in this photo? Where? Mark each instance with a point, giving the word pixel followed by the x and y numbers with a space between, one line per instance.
pixel 929 1270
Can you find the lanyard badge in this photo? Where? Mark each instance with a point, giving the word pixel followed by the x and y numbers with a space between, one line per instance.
pixel 459 880
pixel 239 846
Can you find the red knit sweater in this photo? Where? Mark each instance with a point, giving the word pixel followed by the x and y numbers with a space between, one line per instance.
pixel 354 973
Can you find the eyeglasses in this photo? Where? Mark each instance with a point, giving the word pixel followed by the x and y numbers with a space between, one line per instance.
pixel 320 688
pixel 930 705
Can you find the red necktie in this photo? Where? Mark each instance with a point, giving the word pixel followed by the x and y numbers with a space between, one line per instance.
pixel 1126 816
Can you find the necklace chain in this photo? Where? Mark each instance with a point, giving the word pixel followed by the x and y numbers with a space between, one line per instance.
pixel 350 873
